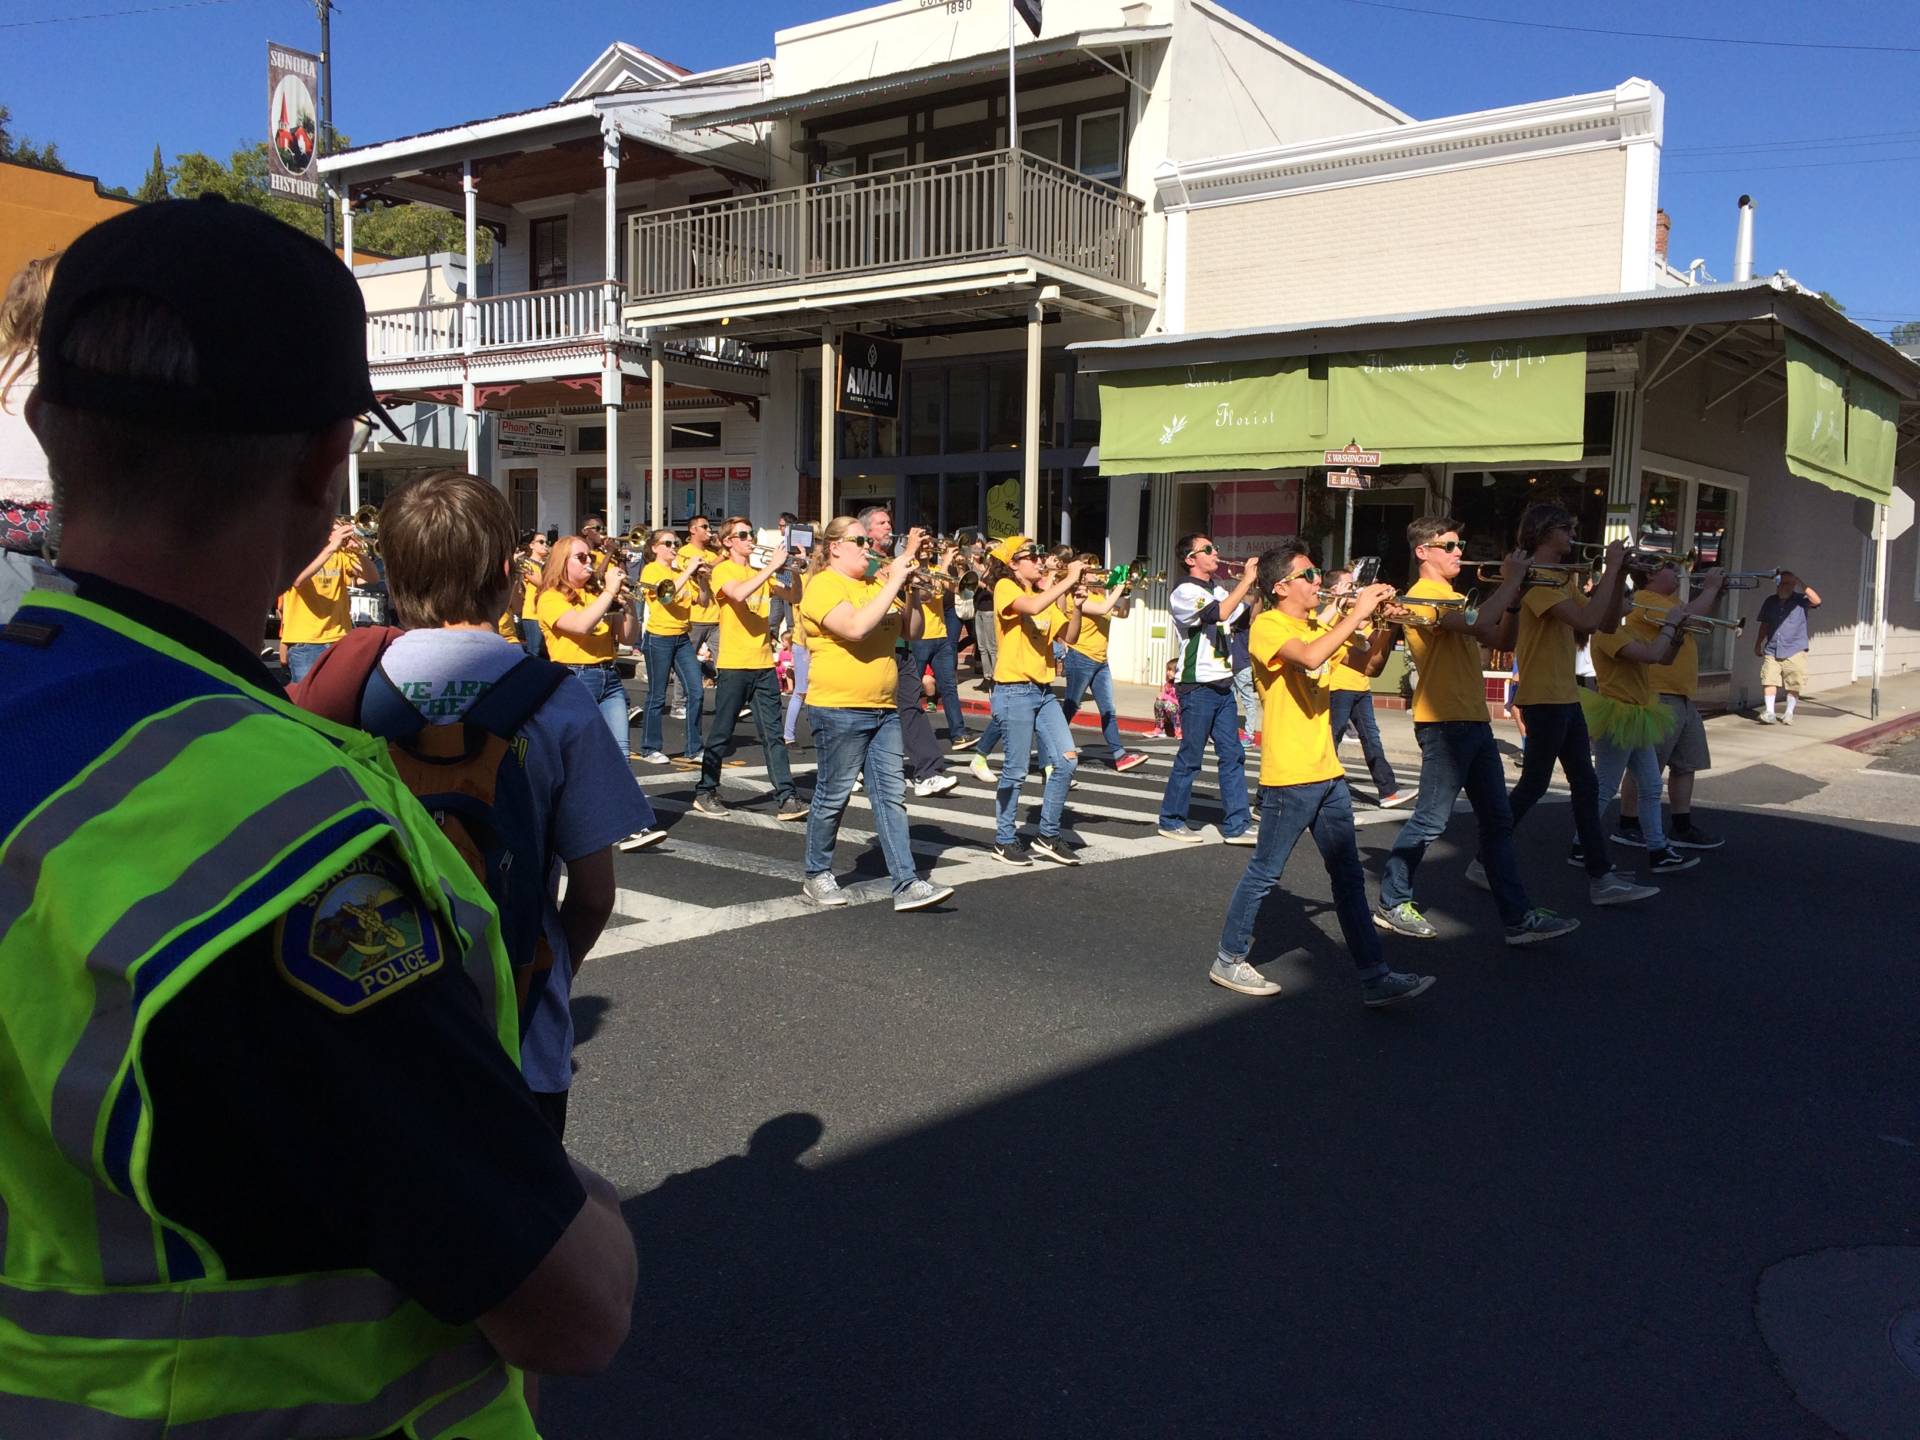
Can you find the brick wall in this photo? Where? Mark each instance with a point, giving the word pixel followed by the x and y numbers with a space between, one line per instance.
pixel 1527 229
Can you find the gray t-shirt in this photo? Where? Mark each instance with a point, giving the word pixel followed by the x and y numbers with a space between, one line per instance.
pixel 1785 622
pixel 583 795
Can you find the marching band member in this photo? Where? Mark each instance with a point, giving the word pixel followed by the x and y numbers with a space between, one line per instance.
pixel 1628 721
pixel 935 649
pixel 850 623
pixel 745 672
pixel 1086 667
pixel 1352 696
pixel 668 645
pixel 1454 730
pixel 1552 621
pixel 1302 784
pixel 317 609
pixel 1683 751
pixel 703 619
pixel 1204 613
pixel 1029 617
pixel 534 549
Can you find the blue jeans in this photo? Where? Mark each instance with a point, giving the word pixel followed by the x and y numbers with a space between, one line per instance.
pixel 1027 709
pixel 1248 699
pixel 946 681
pixel 531 640
pixel 1083 675
pixel 1286 812
pixel 609 695
pixel 1355 707
pixel 1207 712
pixel 802 660
pixel 848 743
pixel 1457 755
pixel 1559 733
pixel 759 692
pixel 671 654
pixel 302 657
pixel 1610 762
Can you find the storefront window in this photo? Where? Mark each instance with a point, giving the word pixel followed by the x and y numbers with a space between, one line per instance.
pixel 923 504
pixel 1006 406
pixel 1087 508
pixel 963 504
pixel 1242 515
pixel 966 400
pixel 926 401
pixel 1489 503
pixel 1714 515
pixel 1661 497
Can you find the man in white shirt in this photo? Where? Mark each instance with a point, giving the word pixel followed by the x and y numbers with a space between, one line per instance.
pixel 1204 614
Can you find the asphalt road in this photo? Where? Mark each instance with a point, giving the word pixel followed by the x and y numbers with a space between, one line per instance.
pixel 1013 1167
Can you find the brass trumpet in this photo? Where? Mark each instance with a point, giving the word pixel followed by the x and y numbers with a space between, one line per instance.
pixel 1751 579
pixel 366 530
pixel 1489 573
pixel 1693 624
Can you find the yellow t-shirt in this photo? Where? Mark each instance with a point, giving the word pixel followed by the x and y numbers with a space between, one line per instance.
pixel 1682 677
pixel 666 617
pixel 933 619
pixel 1546 648
pixel 743 623
pixel 530 592
pixel 1296 738
pixel 508 627
pixel 1026 641
pixel 1093 636
pixel 320 611
pixel 1341 675
pixel 1450 685
pixel 844 674
pixel 563 649
pixel 1628 681
pixel 700 614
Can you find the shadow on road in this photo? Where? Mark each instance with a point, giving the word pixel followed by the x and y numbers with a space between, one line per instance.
pixel 1536 1205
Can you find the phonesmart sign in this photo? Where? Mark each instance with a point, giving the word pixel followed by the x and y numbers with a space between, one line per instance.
pixel 869 377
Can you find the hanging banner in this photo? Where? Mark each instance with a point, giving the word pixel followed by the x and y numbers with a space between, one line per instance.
pixel 293 132
pixel 869 377
pixel 1840 425
pixel 1237 416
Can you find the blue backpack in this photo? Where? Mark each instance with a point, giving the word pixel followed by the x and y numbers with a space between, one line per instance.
pixel 472 779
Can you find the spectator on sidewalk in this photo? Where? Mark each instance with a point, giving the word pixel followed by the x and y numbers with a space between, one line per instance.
pixel 1782 644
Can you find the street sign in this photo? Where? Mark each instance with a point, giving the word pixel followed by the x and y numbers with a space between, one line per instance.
pixel 1353 455
pixel 1899 515
pixel 1348 480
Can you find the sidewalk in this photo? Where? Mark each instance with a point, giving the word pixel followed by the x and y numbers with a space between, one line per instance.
pixel 1833 717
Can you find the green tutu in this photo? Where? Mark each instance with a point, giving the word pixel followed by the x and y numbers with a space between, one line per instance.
pixel 1629 727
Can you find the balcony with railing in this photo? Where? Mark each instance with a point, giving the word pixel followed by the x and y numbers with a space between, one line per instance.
pixel 501 322
pixel 1003 203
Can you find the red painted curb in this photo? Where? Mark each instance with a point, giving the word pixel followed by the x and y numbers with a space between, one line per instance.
pixel 1128 724
pixel 1861 739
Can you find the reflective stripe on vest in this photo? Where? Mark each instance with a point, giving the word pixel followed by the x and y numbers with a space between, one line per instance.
pixel 193 829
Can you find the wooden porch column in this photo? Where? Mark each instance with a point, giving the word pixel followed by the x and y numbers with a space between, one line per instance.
pixel 1030 438
pixel 1623 465
pixel 657 435
pixel 610 397
pixel 828 389
pixel 470 319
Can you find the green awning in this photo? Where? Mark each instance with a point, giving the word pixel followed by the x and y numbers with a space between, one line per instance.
pixel 1840 424
pixel 1477 403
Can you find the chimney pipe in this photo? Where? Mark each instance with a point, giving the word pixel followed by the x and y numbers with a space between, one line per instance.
pixel 1743 242
pixel 1662 228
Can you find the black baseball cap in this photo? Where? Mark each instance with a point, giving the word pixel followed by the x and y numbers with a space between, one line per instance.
pixel 278 325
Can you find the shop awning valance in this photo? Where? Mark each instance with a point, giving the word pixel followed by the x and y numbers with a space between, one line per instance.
pixel 1479 402
pixel 1840 425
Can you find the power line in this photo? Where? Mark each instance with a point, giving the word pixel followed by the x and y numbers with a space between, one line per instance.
pixel 1802 165
pixel 1639 34
pixel 1871 137
pixel 114 14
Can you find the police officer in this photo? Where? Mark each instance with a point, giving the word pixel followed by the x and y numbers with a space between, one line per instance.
pixel 265 1132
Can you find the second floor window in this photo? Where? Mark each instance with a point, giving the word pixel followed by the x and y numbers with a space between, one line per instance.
pixel 547 253
pixel 1099 145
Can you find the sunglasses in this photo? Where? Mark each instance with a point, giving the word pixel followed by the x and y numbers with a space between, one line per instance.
pixel 741 535
pixel 862 541
pixel 1450 546
pixel 1028 555
pixel 1312 572
pixel 1202 550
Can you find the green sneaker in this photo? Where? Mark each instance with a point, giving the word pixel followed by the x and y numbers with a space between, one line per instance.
pixel 1403 919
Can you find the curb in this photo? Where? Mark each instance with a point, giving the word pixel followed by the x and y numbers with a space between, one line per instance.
pixel 1128 724
pixel 1861 739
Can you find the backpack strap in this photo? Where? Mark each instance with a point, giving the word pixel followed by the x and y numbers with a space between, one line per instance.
pixel 512 699
pixel 385 712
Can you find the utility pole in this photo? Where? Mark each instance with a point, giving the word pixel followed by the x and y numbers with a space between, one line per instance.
pixel 326 108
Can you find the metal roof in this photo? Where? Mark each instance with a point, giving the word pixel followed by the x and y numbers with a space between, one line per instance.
pixel 833 97
pixel 1777 299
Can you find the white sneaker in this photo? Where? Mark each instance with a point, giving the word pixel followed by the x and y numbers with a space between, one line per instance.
pixel 1477 875
pixel 823 891
pixel 1397 798
pixel 1616 889
pixel 1181 833
pixel 933 785
pixel 1239 975
pixel 640 840
pixel 655 757
pixel 920 894
pixel 981 770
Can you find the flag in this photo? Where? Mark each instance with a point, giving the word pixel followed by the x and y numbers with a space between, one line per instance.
pixel 1029 11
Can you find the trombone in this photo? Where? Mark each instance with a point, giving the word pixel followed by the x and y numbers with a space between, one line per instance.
pixel 1402 600
pixel 1693 624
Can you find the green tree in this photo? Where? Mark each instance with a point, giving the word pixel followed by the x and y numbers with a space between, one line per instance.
pixel 23 151
pixel 1907 333
pixel 154 187
pixel 395 230
pixel 1833 301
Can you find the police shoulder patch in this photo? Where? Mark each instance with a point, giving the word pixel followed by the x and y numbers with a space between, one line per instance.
pixel 363 935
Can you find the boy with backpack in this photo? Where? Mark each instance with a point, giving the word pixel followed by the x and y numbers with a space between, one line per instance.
pixel 515 763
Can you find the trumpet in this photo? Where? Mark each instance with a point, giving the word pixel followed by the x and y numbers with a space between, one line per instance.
pixel 1693 624
pixel 1636 557
pixel 1750 579
pixel 1489 573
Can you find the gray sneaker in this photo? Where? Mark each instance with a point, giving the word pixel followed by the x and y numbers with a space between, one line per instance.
pixel 1539 924
pixel 1766 717
pixel 1393 987
pixel 1477 875
pixel 920 894
pixel 708 802
pixel 1403 919
pixel 1617 889
pixel 1181 833
pixel 1239 975
pixel 821 890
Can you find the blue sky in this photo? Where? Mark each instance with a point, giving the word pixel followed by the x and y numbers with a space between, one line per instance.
pixel 1826 140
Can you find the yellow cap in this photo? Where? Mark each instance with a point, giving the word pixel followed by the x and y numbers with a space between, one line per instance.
pixel 1006 549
